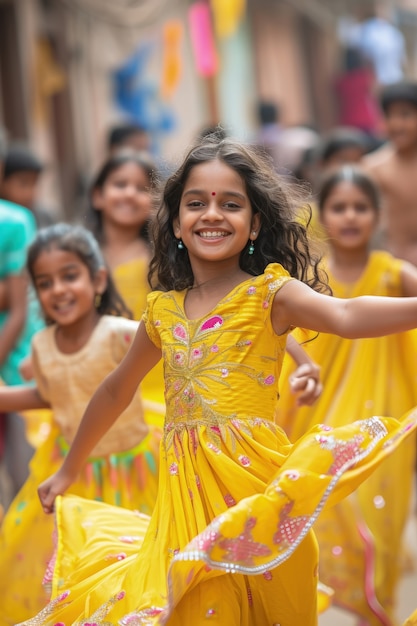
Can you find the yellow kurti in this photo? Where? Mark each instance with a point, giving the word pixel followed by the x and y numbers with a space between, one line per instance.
pixel 360 539
pixel 131 279
pixel 122 469
pixel 230 539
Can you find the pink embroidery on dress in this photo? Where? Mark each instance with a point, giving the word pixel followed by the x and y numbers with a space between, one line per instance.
pixel 180 333
pixel 211 323
pixel 289 528
pixel 229 500
pixel 173 469
pixel 242 550
pixel 142 618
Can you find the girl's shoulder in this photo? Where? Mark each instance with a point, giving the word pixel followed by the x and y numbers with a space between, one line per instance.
pixel 44 337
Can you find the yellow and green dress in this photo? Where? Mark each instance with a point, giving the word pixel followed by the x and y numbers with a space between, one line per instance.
pixel 131 279
pixel 230 540
pixel 361 538
pixel 122 469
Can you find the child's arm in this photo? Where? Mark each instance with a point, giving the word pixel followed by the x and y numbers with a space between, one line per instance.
pixel 296 304
pixel 409 279
pixel 20 398
pixel 15 321
pixel 305 381
pixel 111 398
pixel 4 300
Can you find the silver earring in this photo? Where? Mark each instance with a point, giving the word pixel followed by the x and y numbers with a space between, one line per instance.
pixel 180 244
pixel 251 247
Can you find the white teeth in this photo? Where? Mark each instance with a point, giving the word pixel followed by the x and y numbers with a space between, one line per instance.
pixel 213 234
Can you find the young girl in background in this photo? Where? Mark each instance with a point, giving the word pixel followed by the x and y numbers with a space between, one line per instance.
pixel 86 339
pixel 230 539
pixel 360 538
pixel 119 215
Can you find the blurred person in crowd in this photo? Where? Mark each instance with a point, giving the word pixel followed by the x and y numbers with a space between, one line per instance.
pixel 21 178
pixel 340 146
pixel 128 136
pixel 380 41
pixel 87 335
pixel 19 320
pixel 119 213
pixel 355 89
pixel 393 166
pixel 361 538
pixel 270 128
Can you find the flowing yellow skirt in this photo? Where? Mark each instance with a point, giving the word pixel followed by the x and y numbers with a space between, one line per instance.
pixel 128 479
pixel 230 540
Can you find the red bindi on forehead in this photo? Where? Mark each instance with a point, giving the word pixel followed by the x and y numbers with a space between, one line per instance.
pixel 213 193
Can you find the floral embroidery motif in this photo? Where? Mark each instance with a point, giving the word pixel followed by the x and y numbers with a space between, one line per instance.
pixel 289 528
pixel 97 618
pixel 243 549
pixel 142 618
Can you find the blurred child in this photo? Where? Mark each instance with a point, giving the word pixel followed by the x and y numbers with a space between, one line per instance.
pixel 85 339
pixel 361 539
pixel 21 178
pixel 230 539
pixel 119 215
pixel 394 166
pixel 19 320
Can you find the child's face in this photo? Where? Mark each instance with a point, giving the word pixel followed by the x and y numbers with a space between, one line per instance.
pixel 401 124
pixel 215 219
pixel 349 217
pixel 125 198
pixel 21 188
pixel 64 286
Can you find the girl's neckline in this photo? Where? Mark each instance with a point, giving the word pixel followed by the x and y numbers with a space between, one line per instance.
pixel 227 296
pixel 350 285
pixel 84 347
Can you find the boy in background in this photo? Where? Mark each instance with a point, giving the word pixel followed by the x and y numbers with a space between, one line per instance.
pixel 394 168
pixel 21 176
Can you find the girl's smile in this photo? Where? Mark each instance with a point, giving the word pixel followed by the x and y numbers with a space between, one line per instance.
pixel 124 198
pixel 215 224
pixel 65 288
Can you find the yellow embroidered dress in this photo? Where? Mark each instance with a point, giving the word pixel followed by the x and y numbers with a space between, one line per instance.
pixel 230 539
pixel 132 282
pixel 361 538
pixel 122 469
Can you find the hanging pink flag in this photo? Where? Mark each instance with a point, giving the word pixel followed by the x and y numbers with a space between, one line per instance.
pixel 202 38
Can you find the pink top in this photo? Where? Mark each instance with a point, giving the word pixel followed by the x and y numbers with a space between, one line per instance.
pixel 358 106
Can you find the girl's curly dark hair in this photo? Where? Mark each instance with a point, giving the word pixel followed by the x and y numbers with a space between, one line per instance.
pixel 282 236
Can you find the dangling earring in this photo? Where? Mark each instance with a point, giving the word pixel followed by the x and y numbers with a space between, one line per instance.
pixel 180 245
pixel 252 244
pixel 97 300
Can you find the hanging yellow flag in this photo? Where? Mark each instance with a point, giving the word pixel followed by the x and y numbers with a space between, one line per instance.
pixel 171 63
pixel 48 79
pixel 227 15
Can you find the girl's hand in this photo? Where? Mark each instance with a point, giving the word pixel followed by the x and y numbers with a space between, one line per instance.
pixel 305 382
pixel 54 486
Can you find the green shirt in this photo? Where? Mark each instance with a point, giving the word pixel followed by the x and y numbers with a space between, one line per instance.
pixel 17 230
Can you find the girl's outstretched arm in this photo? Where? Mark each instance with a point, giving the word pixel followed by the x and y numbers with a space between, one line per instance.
pixel 20 398
pixel 296 304
pixel 111 398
